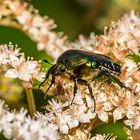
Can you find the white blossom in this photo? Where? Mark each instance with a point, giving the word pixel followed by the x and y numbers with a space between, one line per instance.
pixel 17 125
pixel 23 69
pixel 110 99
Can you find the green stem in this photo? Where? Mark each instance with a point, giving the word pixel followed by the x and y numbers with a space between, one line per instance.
pixel 31 102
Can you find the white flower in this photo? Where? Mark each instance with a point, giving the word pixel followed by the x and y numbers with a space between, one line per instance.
pixel 38 21
pixel 73 123
pixel 24 18
pixel 134 120
pixel 78 99
pixel 80 135
pixel 37 27
pixel 91 113
pixel 22 69
pixel 111 100
pixel 103 116
pixel 64 128
pixel 9 54
pixel 25 71
pixel 56 107
pixel 125 104
pixel 102 106
pixel 118 114
pixel 131 66
pixel 16 125
pixel 41 46
pixel 62 119
pixel 35 32
pixel 89 101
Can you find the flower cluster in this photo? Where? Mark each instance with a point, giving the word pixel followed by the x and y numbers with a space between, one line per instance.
pixel 119 42
pixel 17 126
pixel 38 28
pixel 17 65
pixel 69 118
pixel 110 101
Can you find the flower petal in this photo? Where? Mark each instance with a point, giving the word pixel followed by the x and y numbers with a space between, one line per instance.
pixel 12 73
pixel 84 118
pixel 117 114
pixel 73 123
pixel 64 129
pixel 103 116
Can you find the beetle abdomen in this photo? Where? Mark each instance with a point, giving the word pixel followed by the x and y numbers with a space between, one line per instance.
pixel 107 63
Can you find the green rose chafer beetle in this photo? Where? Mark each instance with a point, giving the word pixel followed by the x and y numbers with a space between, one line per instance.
pixel 76 61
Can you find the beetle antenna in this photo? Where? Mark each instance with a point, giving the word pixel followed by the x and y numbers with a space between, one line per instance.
pixel 46 61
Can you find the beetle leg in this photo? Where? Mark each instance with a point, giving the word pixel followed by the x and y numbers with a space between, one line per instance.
pixel 84 82
pixel 46 77
pixel 115 79
pixel 42 83
pixel 75 86
pixel 52 82
pixel 109 77
pixel 100 74
pixel 74 89
pixel 120 83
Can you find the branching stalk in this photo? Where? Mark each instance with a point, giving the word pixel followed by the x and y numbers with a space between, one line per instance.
pixel 30 100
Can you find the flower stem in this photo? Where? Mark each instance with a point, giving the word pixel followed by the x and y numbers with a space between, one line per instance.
pixel 30 100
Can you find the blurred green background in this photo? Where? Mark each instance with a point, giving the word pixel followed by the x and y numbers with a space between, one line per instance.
pixel 73 17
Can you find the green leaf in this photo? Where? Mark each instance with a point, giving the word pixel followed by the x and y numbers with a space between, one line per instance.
pixel 116 129
pixel 2 137
pixel 134 57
